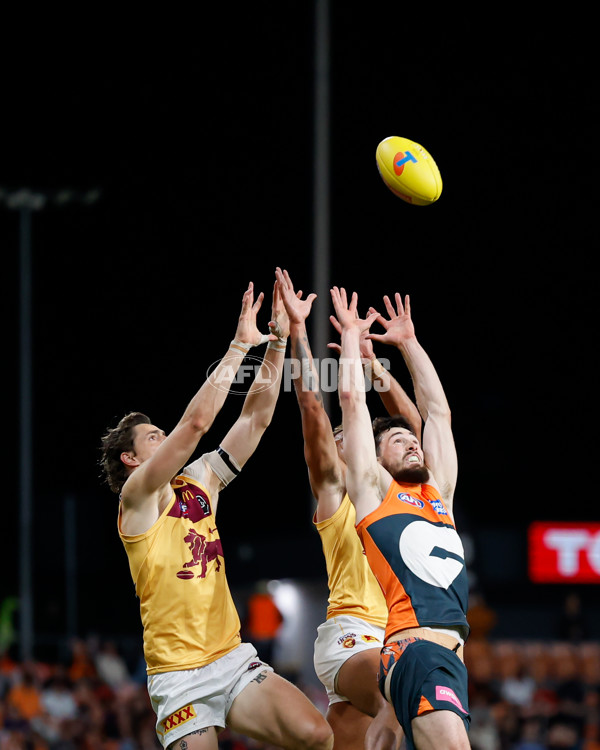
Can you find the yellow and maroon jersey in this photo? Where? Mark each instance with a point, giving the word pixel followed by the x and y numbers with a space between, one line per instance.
pixel 417 556
pixel 353 589
pixel 187 611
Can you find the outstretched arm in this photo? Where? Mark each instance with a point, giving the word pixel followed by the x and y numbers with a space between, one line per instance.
pixel 363 470
pixel 320 452
pixel 176 449
pixel 392 394
pixel 259 405
pixel 438 441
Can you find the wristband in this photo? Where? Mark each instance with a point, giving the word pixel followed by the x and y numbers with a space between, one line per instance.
pixel 244 347
pixel 240 346
pixel 279 345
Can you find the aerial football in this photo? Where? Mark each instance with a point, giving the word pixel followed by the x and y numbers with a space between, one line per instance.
pixel 408 170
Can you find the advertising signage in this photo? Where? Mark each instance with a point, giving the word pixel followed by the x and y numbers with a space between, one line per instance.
pixel 564 552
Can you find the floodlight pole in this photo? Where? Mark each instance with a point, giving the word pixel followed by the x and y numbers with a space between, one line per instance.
pixel 321 208
pixel 26 201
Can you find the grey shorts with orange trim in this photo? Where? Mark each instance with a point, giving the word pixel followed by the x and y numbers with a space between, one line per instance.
pixel 426 677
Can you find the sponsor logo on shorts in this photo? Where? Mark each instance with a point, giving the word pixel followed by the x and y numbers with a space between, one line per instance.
pixel 438 506
pixel 446 694
pixel 411 500
pixel 348 640
pixel 369 638
pixel 178 717
pixel 254 665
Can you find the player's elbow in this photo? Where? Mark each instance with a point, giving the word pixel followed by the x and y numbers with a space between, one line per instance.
pixel 262 419
pixel 201 422
pixel 440 411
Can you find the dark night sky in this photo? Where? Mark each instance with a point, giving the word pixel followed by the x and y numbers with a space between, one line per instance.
pixel 204 159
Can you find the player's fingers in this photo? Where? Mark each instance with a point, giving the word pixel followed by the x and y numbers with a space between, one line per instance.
pixel 256 306
pixel 335 297
pixel 288 280
pixel 389 307
pixel 380 318
pixel 376 337
pixel 399 305
pixel 247 298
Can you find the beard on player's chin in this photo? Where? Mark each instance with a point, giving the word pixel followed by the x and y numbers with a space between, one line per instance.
pixel 412 475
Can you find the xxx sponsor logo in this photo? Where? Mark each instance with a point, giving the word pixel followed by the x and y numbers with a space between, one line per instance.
pixel 179 717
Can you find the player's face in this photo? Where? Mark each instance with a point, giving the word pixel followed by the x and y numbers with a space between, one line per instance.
pixel 400 453
pixel 147 440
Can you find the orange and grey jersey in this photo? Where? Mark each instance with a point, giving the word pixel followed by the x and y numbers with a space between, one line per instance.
pixel 187 611
pixel 353 589
pixel 417 557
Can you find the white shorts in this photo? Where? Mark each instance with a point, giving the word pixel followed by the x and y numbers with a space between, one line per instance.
pixel 193 699
pixel 338 639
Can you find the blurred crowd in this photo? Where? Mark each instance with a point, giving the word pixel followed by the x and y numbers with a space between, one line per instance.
pixel 534 695
pixel 524 696
pixel 91 701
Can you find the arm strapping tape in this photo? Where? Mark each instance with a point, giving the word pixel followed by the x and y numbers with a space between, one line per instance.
pixel 224 465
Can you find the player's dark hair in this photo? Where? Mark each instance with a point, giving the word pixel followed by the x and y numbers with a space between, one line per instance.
pixel 118 440
pixel 382 424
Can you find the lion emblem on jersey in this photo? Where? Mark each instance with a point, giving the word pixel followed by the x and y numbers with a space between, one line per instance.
pixel 203 551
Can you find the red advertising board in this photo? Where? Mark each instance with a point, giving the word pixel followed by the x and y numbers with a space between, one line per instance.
pixel 564 552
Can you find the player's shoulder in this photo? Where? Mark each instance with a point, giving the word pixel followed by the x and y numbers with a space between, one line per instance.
pixel 135 492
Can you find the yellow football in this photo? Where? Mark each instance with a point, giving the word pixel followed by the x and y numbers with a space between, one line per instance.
pixel 408 170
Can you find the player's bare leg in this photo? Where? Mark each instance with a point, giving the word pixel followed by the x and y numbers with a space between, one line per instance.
pixel 272 710
pixel 200 739
pixel 349 726
pixel 430 727
pixel 357 680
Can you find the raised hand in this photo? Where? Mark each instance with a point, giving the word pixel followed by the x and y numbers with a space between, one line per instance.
pixel 346 315
pixel 366 345
pixel 280 322
pixel 399 327
pixel 297 309
pixel 247 331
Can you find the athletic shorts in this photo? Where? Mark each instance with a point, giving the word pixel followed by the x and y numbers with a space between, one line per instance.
pixel 425 677
pixel 338 639
pixel 192 699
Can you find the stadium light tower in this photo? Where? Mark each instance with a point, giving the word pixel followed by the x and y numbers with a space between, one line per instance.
pixel 321 202
pixel 26 202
